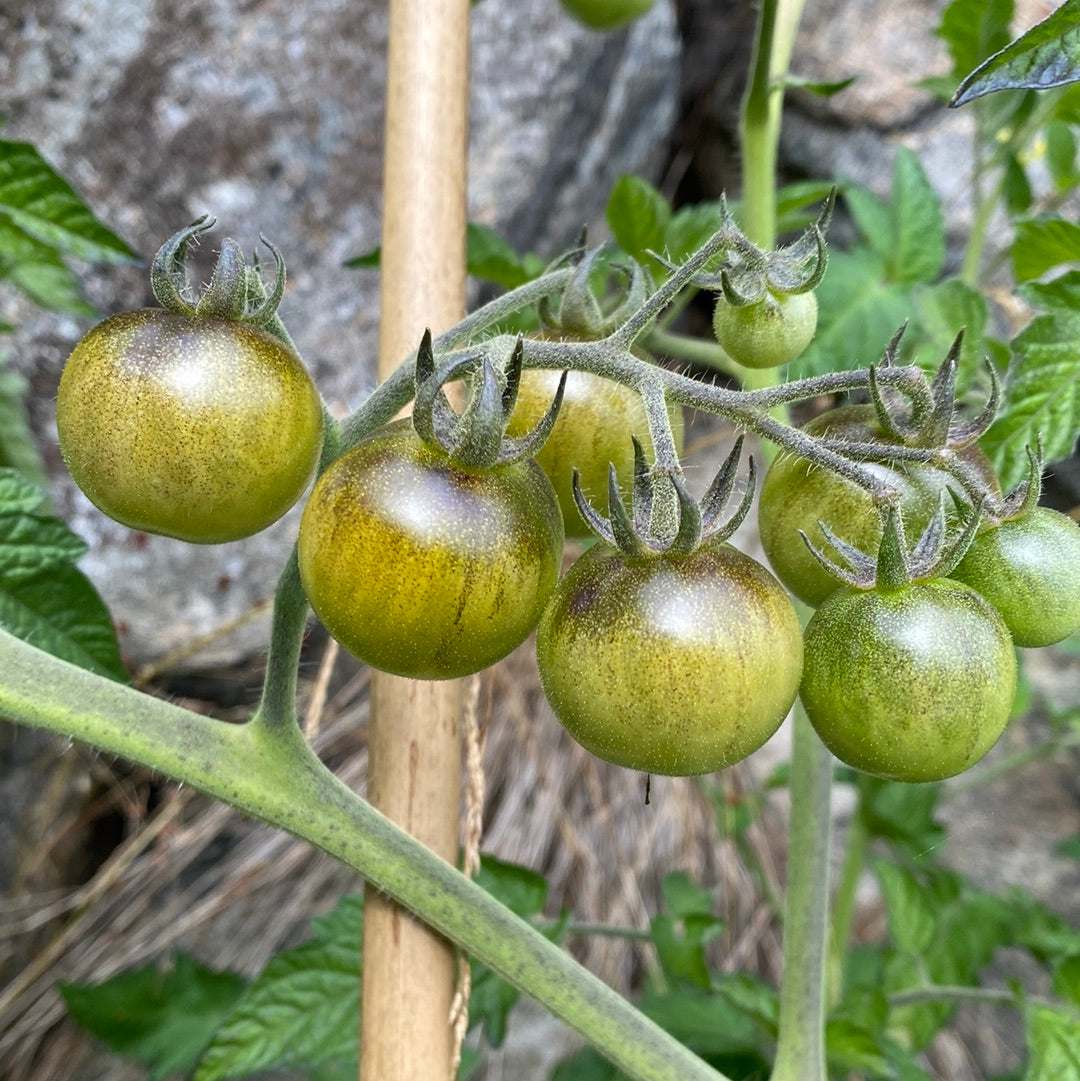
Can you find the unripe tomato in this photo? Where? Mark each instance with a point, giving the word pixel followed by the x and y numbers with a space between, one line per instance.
pixel 677 665
pixel 593 429
pixel 1028 568
pixel 796 495
pixel 911 684
pixel 769 333
pixel 197 428
pixel 607 14
pixel 422 569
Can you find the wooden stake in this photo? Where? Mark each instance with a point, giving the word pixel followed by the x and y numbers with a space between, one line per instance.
pixel 415 774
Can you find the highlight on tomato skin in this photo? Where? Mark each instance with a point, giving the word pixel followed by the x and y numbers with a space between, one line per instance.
pixel 675 665
pixel 424 569
pixel 194 427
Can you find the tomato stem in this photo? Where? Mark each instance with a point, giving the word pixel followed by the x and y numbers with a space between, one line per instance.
pixel 271 773
pixel 800 1051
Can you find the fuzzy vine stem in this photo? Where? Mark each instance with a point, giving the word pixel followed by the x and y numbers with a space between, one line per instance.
pixel 800 1050
pixel 270 773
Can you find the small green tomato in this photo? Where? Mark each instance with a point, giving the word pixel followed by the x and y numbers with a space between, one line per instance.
pixel 769 333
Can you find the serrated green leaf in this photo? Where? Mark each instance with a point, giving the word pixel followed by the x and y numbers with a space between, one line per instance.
pixel 973 29
pixel 1042 394
pixel 162 1019
pixel 684 897
pixel 18 495
pixel 873 219
pixel 918 223
pixel 1047 55
pixel 39 203
pixel 706 1023
pixel 822 90
pixel 902 814
pixel 858 312
pixel 31 544
pixel 1053 1041
pixel 912 919
pixel 303 1009
pixel 940 311
pixel 60 612
pixel 1040 244
pixel 754 998
pixel 638 216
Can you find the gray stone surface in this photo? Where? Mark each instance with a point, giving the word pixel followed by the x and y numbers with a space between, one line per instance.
pixel 269 116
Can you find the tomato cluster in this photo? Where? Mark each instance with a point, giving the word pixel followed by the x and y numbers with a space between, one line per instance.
pixel 432 546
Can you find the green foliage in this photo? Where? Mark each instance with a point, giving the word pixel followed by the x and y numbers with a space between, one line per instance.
pixel 44 598
pixel 1048 55
pixel 42 222
pixel 162 1018
pixel 1043 384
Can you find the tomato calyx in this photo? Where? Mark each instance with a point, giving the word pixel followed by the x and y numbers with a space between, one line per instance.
pixel 580 314
pixel 236 291
pixel 663 518
pixel 896 565
pixel 475 440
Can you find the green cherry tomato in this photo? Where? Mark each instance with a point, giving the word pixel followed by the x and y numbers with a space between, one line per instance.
pixel 678 665
pixel 1028 568
pixel 593 429
pixel 796 495
pixel 607 14
pixel 769 333
pixel 197 428
pixel 422 569
pixel 913 684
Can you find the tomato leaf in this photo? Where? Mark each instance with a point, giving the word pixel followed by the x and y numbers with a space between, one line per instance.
pixel 1047 55
pixel 301 1010
pixel 912 919
pixel 1040 244
pixel 940 311
pixel 1067 978
pixel 1053 1040
pixel 1043 387
pixel 162 1019
pixel 43 205
pixel 973 29
pixel 489 256
pixel 918 230
pixel 638 215
pixel 44 598
pixel 902 814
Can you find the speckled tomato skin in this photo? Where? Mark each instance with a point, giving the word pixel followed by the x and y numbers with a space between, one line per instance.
pixel 911 685
pixel 593 429
pixel 796 495
pixel 767 334
pixel 424 570
pixel 1028 568
pixel 207 430
pixel 674 666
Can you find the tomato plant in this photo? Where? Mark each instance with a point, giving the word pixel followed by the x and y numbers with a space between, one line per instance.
pixel 422 568
pixel 200 428
pixel 797 494
pixel 1028 567
pixel 592 431
pixel 909 684
pixel 676 665
pixel 768 332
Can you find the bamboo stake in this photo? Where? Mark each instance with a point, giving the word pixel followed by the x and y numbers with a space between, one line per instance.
pixel 408 971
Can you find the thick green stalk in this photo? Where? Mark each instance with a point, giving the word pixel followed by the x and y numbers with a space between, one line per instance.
pixel 800 1050
pixel 759 129
pixel 268 771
